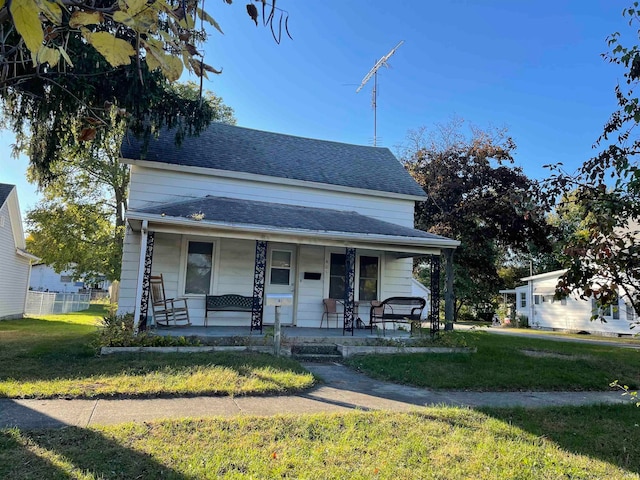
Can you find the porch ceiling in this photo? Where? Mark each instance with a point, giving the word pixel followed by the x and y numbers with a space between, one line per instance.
pixel 246 219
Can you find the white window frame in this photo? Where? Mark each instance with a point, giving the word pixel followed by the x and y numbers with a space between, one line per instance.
pixel 270 266
pixel 184 252
pixel 356 287
pixel 523 300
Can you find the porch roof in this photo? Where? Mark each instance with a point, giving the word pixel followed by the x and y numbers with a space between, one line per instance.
pixel 238 218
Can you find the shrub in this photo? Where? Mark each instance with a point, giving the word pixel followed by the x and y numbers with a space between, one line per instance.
pixel 117 331
pixel 521 321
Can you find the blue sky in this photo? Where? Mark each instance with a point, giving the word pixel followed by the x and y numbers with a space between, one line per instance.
pixel 533 67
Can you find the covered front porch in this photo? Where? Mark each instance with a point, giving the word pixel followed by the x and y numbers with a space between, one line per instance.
pixel 213 246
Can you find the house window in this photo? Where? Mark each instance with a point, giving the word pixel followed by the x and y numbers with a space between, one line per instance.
pixel 199 268
pixel 367 269
pixel 280 267
pixel 336 275
pixel 523 299
pixel 368 282
pixel 536 299
pixel 66 278
pixel 631 313
pixel 612 311
pixel 563 301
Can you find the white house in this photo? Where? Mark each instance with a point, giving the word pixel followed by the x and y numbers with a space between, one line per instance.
pixel 571 314
pixel 419 290
pixel 45 279
pixel 15 261
pixel 240 211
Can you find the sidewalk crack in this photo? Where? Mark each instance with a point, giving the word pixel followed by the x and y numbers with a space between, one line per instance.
pixel 93 410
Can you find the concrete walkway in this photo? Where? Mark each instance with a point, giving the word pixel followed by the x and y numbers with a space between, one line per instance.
pixel 342 390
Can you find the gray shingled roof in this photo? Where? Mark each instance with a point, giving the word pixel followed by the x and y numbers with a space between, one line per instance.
pixel 227 147
pixel 5 190
pixel 274 215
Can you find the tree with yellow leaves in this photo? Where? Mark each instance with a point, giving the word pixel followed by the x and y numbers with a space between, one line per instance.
pixel 65 60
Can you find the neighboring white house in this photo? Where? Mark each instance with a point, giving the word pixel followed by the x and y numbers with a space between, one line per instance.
pixel 15 262
pixel 419 290
pixel 254 213
pixel 571 314
pixel 45 279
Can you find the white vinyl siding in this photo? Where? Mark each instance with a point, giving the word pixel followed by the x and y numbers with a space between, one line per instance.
pixel 150 187
pixel 14 270
pixel 129 273
pixel 570 314
pixel 44 278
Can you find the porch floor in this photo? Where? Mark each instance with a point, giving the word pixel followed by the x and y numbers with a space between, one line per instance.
pixel 290 334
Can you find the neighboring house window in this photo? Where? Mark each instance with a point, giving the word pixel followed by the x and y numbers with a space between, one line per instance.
pixel 563 301
pixel 199 268
pixel 631 313
pixel 615 311
pixel 66 278
pixel 280 267
pixel 523 300
pixel 367 269
pixel 368 283
pixel 612 311
pixel 536 299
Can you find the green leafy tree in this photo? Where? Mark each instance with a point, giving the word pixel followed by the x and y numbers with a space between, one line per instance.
pixel 477 197
pixel 80 223
pixel 70 61
pixel 604 258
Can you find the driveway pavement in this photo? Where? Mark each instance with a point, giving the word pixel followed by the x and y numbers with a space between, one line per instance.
pixel 342 389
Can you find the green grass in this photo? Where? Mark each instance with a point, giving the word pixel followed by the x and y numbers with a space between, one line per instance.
pixel 501 364
pixel 443 443
pixel 53 357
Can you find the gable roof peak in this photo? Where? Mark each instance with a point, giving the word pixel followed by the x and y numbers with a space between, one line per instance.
pixel 5 190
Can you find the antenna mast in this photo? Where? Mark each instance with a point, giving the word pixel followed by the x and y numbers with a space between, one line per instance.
pixel 374 95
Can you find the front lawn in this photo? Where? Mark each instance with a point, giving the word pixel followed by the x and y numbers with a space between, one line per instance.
pixel 443 443
pixel 509 363
pixel 54 356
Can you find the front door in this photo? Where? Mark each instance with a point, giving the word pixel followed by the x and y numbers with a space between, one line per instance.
pixel 280 278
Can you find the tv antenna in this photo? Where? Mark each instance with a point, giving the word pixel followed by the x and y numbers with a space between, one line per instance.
pixel 374 95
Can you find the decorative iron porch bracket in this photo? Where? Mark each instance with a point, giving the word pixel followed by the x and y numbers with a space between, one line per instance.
pixel 349 286
pixel 258 285
pixel 434 316
pixel 146 282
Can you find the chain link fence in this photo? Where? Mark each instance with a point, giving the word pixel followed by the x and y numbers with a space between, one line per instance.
pixel 47 303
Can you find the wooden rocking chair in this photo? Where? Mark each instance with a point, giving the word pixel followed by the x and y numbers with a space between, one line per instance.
pixel 167 312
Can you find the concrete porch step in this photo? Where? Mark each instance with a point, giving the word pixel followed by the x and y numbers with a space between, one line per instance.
pixel 317 352
pixel 310 357
pixel 315 348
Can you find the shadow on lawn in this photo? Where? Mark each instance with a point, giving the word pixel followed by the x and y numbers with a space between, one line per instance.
pixel 64 452
pixel 610 433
